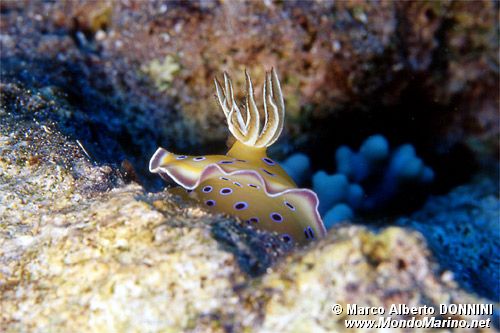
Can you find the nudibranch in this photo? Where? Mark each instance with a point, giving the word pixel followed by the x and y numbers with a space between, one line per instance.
pixel 245 182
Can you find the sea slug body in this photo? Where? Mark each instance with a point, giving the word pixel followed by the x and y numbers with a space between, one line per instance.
pixel 245 182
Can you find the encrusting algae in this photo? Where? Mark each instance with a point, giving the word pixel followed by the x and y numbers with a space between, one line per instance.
pixel 245 182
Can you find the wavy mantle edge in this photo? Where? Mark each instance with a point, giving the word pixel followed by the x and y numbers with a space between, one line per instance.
pixel 210 169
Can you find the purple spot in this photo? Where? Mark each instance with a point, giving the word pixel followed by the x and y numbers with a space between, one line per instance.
pixel 207 189
pixel 189 191
pixel 199 158
pixel 226 162
pixel 224 178
pixel 210 203
pixel 289 205
pixel 253 220
pixel 286 238
pixel 276 217
pixel 240 205
pixel 226 191
pixel 181 157
pixel 309 233
pixel 242 161
pixel 269 173
pixel 268 161
pixel 253 185
pixel 237 184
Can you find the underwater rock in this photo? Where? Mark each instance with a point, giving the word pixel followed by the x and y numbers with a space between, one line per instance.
pixel 88 85
pixel 80 250
pixel 34 151
pixel 422 71
pixel 75 242
pixel 352 266
pixel 45 172
pixel 462 229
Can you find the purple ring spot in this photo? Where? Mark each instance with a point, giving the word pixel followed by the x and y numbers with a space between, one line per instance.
pixel 207 189
pixel 286 238
pixel 253 220
pixel 224 178
pixel 181 157
pixel 289 205
pixel 210 203
pixel 237 184
pixel 226 191
pixel 253 185
pixel 268 161
pixel 276 217
pixel 226 162
pixel 199 158
pixel 240 205
pixel 269 173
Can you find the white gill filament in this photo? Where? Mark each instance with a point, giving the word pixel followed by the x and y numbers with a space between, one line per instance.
pixel 247 130
pixel 253 118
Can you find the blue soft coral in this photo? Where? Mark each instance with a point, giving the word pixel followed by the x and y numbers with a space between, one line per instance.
pixel 366 180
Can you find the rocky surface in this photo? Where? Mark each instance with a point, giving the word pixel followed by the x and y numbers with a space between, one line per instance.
pixel 89 89
pixel 463 230
pixel 353 266
pixel 73 234
pixel 143 70
pixel 82 250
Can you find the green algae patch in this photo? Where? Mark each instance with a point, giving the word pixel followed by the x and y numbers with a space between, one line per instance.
pixel 162 72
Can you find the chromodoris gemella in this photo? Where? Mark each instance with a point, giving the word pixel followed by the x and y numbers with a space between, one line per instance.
pixel 245 182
